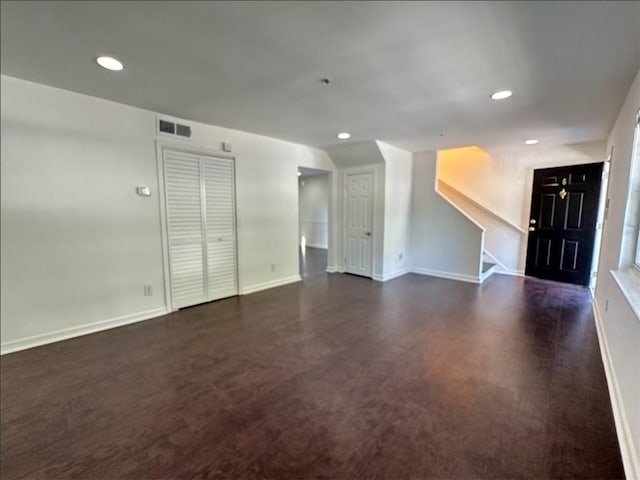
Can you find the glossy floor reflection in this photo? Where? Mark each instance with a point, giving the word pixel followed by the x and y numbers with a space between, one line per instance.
pixel 334 377
pixel 313 261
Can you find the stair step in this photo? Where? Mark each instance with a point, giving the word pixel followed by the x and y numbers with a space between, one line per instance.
pixel 486 266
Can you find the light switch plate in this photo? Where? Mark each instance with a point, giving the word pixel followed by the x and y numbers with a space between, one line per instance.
pixel 143 191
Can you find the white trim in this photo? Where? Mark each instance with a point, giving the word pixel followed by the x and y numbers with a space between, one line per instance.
pixel 449 275
pixel 627 449
pixel 515 273
pixel 332 269
pixel 71 332
pixel 332 220
pixel 496 261
pixel 193 149
pixel 488 273
pixel 450 202
pixel 503 270
pixel 162 206
pixel 460 210
pixel 482 207
pixel 389 276
pixel 271 284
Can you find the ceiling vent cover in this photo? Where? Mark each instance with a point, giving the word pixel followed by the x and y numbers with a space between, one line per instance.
pixel 174 129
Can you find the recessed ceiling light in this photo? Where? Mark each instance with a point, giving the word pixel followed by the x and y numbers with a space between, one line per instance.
pixel 299 173
pixel 110 63
pixel 533 141
pixel 344 135
pixel 501 95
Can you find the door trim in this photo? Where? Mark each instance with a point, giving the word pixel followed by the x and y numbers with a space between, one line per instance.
pixel 332 175
pixel 374 227
pixel 161 146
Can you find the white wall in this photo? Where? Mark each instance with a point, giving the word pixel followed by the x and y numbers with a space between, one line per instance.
pixel 314 210
pixel 620 326
pixel 443 241
pixel 78 244
pixel 501 180
pixel 397 209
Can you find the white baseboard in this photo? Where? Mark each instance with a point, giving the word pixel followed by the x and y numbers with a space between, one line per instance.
pixel 314 245
pixel 271 284
pixel 389 276
pixel 332 269
pixel 630 456
pixel 488 273
pixel 67 333
pixel 515 273
pixel 448 275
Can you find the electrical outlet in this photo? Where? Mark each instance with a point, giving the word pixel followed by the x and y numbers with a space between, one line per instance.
pixel 148 291
pixel 273 267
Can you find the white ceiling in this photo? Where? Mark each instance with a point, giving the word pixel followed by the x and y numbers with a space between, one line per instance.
pixel 403 73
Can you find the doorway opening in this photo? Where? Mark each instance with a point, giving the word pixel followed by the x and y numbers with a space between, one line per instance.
pixel 314 193
pixel 563 223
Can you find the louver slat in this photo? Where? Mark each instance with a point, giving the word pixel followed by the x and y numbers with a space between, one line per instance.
pixel 185 229
pixel 220 227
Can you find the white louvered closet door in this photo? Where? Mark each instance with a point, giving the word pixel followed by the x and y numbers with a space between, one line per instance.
pixel 201 227
pixel 185 228
pixel 220 227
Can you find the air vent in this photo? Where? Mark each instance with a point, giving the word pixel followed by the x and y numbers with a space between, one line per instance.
pixel 167 127
pixel 183 130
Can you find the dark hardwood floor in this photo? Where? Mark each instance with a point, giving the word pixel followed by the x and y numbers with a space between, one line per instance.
pixel 337 377
pixel 313 261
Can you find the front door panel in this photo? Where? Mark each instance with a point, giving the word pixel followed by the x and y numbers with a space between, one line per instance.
pixel 564 208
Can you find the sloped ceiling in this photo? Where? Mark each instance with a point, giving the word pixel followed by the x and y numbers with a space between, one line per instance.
pixel 356 153
pixel 414 74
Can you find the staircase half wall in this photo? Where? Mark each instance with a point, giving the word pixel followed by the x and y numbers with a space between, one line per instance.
pixel 444 241
pixel 504 242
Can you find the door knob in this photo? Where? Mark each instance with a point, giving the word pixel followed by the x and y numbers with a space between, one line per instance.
pixel 532 229
pixel 532 221
pixel 368 234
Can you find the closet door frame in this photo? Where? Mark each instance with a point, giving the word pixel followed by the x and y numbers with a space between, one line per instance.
pixel 161 146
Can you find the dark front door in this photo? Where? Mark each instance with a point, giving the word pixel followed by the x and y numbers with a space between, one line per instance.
pixel 562 225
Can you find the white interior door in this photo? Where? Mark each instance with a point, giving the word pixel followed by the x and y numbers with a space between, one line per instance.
pixel 359 224
pixel 201 227
pixel 222 279
pixel 185 228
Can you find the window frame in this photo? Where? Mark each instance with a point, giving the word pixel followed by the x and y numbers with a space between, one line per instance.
pixel 635 175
